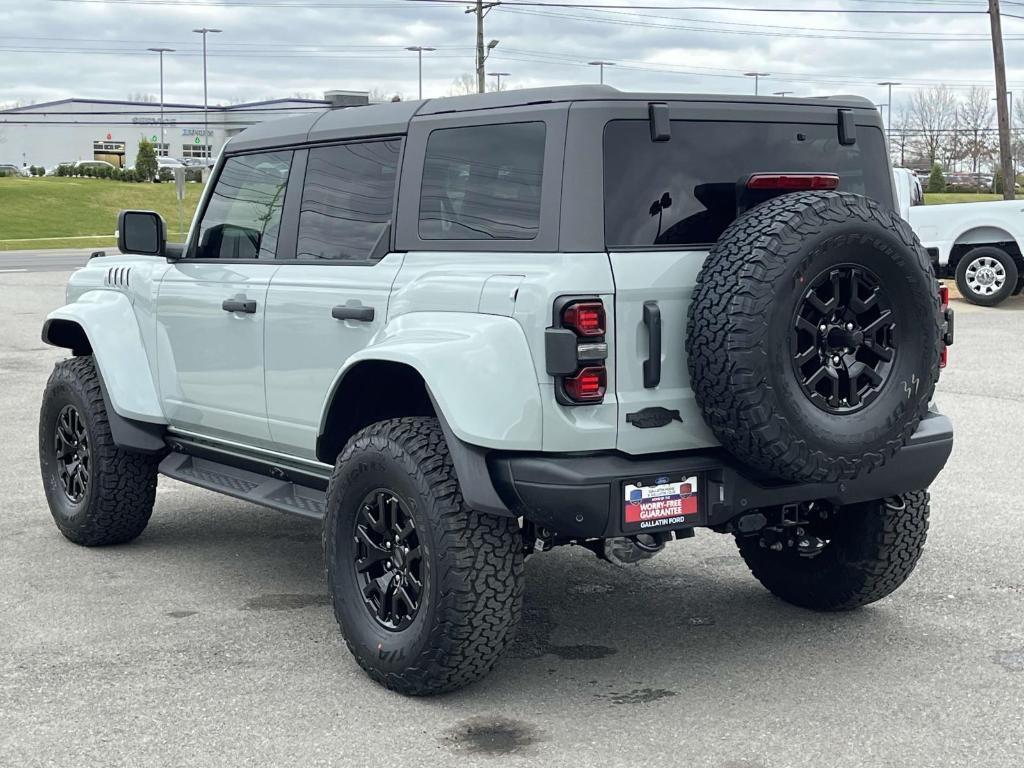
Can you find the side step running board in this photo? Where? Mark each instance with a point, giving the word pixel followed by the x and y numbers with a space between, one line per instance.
pixel 249 486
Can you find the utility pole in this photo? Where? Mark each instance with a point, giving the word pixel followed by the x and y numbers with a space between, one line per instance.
pixel 999 60
pixel 163 141
pixel 480 9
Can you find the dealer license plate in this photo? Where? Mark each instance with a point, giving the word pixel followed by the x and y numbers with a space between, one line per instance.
pixel 665 501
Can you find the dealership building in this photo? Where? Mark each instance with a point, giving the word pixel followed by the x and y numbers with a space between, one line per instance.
pixel 73 130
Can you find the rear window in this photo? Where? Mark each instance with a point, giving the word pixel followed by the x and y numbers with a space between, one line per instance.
pixel 683 192
pixel 483 183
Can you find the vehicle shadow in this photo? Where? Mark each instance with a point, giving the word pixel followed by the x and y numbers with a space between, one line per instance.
pixel 690 618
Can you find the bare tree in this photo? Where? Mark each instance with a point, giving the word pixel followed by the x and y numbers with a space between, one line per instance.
pixel 143 98
pixel 933 114
pixel 975 120
pixel 463 85
pixel 899 142
pixel 380 96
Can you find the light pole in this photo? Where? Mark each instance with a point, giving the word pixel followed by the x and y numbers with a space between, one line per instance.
pixel 888 126
pixel 782 93
pixel 207 144
pixel 757 78
pixel 162 51
pixel 602 65
pixel 419 49
pixel 499 75
pixel 882 107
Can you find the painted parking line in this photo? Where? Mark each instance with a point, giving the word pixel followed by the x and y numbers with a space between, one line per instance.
pixel 20 269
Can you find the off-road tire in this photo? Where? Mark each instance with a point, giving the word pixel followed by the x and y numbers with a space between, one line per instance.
pixel 473 591
pixel 121 486
pixel 741 320
pixel 1010 278
pixel 872 551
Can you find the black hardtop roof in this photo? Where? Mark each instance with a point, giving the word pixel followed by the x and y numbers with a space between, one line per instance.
pixel 393 118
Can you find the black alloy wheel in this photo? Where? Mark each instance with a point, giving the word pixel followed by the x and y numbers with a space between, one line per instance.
pixel 74 458
pixel 845 340
pixel 389 566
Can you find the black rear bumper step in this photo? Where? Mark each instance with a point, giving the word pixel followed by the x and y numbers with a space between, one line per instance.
pixel 581 496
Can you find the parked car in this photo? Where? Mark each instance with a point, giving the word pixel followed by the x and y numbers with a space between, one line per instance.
pixel 909 191
pixel 977 244
pixel 52 170
pixel 11 169
pixel 467 330
pixel 81 165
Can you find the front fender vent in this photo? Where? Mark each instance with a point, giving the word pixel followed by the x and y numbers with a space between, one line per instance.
pixel 119 277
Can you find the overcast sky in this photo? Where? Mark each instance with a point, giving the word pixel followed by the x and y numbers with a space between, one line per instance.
pixel 51 49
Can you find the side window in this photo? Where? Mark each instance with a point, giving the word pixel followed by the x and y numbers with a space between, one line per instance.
pixel 347 200
pixel 243 216
pixel 483 183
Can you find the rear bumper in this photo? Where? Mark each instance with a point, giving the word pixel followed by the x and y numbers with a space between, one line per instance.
pixel 581 496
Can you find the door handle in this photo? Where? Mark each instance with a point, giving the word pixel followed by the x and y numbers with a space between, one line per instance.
pixel 248 306
pixel 652 365
pixel 352 312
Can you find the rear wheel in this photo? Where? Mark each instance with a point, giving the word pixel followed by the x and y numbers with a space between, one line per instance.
pixel 427 592
pixel 97 493
pixel 986 275
pixel 869 550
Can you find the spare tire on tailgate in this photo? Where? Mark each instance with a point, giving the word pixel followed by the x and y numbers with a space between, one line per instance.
pixel 815 336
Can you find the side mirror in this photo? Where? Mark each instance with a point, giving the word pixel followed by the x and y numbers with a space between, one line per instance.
pixel 142 233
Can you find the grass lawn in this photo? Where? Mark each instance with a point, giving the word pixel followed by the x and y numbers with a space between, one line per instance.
pixel 39 212
pixel 938 198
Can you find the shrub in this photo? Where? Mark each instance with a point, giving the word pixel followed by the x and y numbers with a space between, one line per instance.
pixel 936 181
pixel 193 174
pixel 145 160
pixel 165 174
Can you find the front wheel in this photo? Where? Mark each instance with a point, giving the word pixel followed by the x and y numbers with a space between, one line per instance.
pixel 986 275
pixel 427 592
pixel 98 493
pixel 869 550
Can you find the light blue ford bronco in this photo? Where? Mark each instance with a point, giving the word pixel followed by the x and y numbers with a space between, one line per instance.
pixel 461 331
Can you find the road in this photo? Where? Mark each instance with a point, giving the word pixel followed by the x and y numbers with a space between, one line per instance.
pixel 209 641
pixel 55 260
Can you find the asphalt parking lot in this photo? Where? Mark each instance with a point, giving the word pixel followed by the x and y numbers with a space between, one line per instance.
pixel 210 640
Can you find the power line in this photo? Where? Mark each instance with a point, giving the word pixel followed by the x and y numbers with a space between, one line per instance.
pixel 743 9
pixel 793 31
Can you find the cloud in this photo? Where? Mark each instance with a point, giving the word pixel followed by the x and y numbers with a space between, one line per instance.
pixel 54 49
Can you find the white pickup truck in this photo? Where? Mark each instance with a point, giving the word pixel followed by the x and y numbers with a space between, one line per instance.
pixel 977 243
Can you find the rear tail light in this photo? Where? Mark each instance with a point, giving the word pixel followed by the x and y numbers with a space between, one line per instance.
pixel 587 385
pixel 793 182
pixel 576 351
pixel 585 317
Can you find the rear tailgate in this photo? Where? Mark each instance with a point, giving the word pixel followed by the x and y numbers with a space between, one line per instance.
pixel 663 417
pixel 667 199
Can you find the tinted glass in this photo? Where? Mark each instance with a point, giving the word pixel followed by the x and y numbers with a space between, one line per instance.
pixel 684 191
pixel 243 216
pixel 347 200
pixel 483 183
